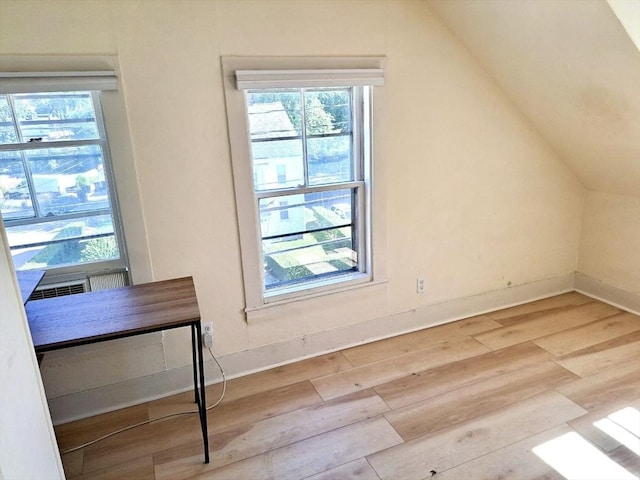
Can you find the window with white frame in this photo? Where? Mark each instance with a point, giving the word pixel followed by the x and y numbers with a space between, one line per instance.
pixel 308 156
pixel 56 192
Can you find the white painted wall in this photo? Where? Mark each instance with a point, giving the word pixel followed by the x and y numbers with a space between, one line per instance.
pixel 28 449
pixel 573 70
pixel 477 202
pixel 610 241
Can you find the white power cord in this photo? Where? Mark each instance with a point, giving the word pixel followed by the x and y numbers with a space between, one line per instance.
pixel 208 341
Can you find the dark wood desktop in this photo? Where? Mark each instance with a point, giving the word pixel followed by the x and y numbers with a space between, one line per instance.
pixel 80 319
pixel 28 280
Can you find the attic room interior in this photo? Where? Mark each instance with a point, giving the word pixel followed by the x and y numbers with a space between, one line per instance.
pixel 468 172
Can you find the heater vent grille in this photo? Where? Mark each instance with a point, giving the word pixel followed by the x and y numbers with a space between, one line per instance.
pixel 59 290
pixel 99 281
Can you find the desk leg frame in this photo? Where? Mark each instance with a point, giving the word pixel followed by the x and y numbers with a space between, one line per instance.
pixel 198 383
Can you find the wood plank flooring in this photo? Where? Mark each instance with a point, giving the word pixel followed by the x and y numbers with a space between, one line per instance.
pixel 469 400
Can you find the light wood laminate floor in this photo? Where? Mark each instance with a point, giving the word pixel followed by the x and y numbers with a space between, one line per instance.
pixel 468 400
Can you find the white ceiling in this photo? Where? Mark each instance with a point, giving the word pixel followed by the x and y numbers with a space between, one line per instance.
pixel 572 69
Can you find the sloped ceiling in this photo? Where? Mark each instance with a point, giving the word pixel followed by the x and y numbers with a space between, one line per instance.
pixel 572 69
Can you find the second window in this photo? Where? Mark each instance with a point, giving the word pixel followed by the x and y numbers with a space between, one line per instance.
pixel 310 163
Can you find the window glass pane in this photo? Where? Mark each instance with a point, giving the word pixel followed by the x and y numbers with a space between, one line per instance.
pixel 329 159
pixel 312 256
pixel 307 236
pixel 69 179
pixel 274 114
pixel 277 164
pixel 15 200
pixel 329 142
pixel 305 212
pixel 276 142
pixel 7 128
pixel 328 111
pixel 56 116
pixel 65 242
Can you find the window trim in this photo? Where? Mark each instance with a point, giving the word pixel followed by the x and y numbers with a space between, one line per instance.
pixel 352 77
pixel 247 214
pixel 42 82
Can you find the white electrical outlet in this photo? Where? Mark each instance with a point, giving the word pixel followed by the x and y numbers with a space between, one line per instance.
pixel 207 328
pixel 207 334
pixel 420 285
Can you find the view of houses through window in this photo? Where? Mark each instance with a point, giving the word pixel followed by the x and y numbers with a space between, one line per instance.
pixel 307 159
pixel 54 191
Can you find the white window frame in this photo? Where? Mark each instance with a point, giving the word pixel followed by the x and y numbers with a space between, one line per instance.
pixel 94 82
pixel 242 73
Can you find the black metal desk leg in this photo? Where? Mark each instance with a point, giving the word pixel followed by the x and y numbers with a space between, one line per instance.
pixel 202 404
pixel 194 362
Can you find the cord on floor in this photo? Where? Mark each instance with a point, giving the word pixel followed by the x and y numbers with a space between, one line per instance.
pixel 165 417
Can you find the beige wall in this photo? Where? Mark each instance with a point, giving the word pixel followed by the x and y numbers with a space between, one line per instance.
pixel 27 443
pixel 572 69
pixel 476 200
pixel 610 242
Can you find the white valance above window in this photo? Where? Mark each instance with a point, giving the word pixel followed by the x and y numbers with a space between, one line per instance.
pixel 32 82
pixel 261 79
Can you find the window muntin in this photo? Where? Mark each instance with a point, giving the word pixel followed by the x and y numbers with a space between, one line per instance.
pixel 308 161
pixel 55 196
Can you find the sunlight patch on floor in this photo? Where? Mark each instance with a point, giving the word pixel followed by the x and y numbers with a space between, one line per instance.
pixel 577 459
pixel 624 426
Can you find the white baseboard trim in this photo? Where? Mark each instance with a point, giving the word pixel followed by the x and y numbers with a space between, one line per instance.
pixel 87 403
pixel 593 288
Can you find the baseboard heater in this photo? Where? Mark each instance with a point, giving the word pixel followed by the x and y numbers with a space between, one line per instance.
pixel 90 283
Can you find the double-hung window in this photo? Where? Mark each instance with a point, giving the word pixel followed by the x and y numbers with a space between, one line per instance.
pixel 56 191
pixel 308 140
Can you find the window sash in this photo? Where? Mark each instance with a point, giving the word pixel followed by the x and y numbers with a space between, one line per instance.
pixel 22 146
pixel 310 189
pixel 356 223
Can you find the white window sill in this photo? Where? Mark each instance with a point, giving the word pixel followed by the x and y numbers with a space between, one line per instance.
pixel 358 282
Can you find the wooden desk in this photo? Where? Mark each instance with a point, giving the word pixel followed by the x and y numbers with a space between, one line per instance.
pixel 28 281
pixel 92 317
